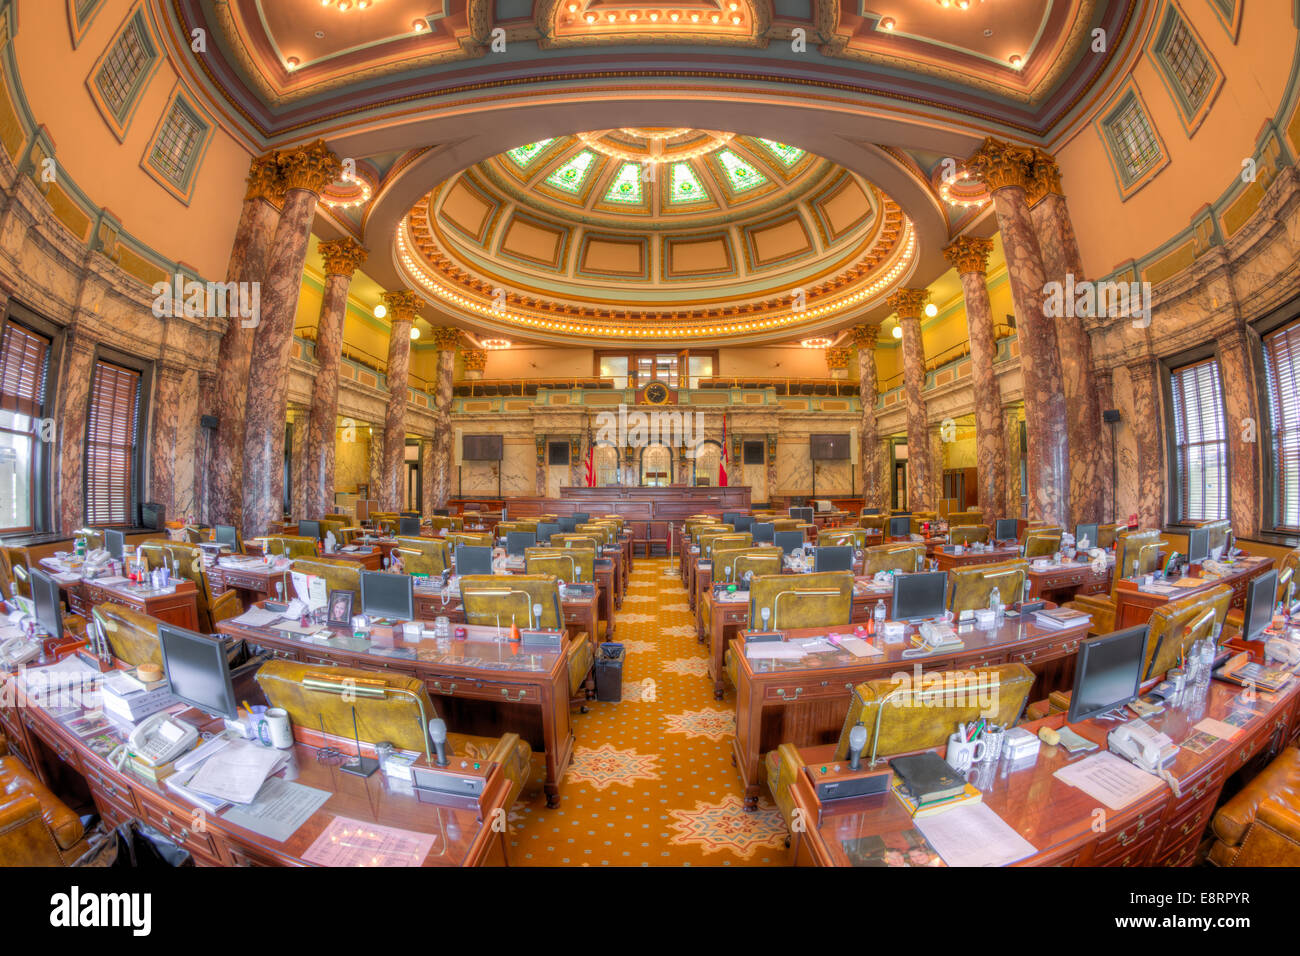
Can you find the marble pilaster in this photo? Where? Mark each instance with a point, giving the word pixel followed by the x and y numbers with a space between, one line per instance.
pixel 1243 427
pixel 1145 424
pixel 402 309
pixel 969 254
pixel 447 339
pixel 772 486
pixel 166 416
pixel 920 473
pixel 874 493
pixel 376 452
pixel 299 491
pixel 1015 507
pixel 1062 263
pixel 1105 397
pixel 306 172
pixel 937 461
pixel 73 407
pixel 1005 169
pixel 342 258
pixel 257 224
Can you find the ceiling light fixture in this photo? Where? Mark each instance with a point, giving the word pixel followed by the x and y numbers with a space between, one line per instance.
pixel 419 26
pixel 495 345
pixel 898 332
pixel 931 310
pixel 415 333
pixel 817 342
pixel 381 310
pixel 1015 61
pixel 887 23
pixel 292 63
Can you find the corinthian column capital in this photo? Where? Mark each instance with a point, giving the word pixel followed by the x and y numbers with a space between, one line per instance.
pixel 969 254
pixel 1044 177
pixel 446 338
pixel 311 167
pixel 1002 164
pixel 402 305
pixel 864 336
pixel 908 302
pixel 342 256
pixel 264 179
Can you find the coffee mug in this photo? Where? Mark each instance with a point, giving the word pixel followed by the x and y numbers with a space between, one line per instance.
pixel 961 754
pixel 274 729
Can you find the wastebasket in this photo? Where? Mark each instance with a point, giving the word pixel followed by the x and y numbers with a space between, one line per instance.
pixel 609 672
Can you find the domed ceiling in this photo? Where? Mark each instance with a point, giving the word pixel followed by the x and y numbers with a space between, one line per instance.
pixel 654 233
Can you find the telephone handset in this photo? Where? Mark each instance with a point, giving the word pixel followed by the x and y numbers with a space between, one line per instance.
pixel 18 651
pixel 160 739
pixel 1146 747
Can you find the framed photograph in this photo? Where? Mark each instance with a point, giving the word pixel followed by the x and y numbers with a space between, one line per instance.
pixel 340 608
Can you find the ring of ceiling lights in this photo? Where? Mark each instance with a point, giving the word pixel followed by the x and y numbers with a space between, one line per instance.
pixel 848 265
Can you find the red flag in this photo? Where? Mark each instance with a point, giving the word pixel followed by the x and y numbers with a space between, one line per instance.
pixel 591 464
pixel 723 459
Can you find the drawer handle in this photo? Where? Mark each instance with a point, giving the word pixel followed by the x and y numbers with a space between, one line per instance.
pixel 505 692
pixel 797 691
pixel 1125 839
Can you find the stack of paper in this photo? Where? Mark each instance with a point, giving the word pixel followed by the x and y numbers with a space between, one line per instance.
pixel 235 774
pixel 256 617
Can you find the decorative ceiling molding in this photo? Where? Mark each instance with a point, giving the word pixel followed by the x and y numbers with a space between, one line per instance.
pixel 590 23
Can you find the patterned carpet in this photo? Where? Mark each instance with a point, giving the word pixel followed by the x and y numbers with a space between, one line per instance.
pixel 652 783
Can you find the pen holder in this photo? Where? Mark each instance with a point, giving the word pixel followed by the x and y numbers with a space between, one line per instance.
pixel 992 739
pixel 961 754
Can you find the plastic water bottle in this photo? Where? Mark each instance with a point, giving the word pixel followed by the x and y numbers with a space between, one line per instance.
pixel 878 615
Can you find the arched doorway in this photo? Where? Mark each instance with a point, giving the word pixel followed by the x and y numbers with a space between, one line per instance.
pixel 655 466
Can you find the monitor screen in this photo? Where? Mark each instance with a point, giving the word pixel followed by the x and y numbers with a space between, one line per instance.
pixel 45 596
pixel 838 557
pixel 226 534
pixel 869 512
pixel 1082 531
pixel 829 447
pixel 390 596
pixel 115 543
pixel 802 514
pixel 408 526
pixel 1008 529
pixel 481 447
pixel 309 529
pixel 516 541
pixel 762 531
pixel 473 559
pixel 1198 545
pixel 1107 673
pixel 581 517
pixel 1261 593
pixel 729 517
pixel 568 524
pixel 744 523
pixel 900 526
pixel 545 529
pixel 919 596
pixel 788 541
pixel 197 670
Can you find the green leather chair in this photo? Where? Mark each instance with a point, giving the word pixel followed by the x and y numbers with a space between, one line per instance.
pixel 447 522
pixel 291 546
pixel 1133 549
pixel 212 608
pixel 423 555
pixel 968 533
pixel 970 587
pixel 475 539
pixel 1042 542
pixel 853 537
pixel 339 575
pixel 820 599
pixel 893 557
pixel 1218 532
pixel 567 564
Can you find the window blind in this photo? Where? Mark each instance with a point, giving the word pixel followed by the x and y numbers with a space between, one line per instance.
pixel 1282 370
pixel 1201 442
pixel 24 360
pixel 111 434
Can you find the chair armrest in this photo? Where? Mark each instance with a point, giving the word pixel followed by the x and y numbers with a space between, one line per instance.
pixel 4 746
pixel 1234 819
pixel 1100 607
pixel 25 840
pixel 1272 840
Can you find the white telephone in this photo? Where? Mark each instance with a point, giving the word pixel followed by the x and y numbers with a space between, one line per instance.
pixel 17 651
pixel 1145 746
pixel 160 739
pixel 1281 650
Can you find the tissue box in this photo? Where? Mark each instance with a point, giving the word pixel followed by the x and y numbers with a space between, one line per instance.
pixel 1020 744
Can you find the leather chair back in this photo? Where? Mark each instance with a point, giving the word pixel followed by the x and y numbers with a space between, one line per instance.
pixel 337 516
pixel 339 575
pixel 734 539
pixel 327 525
pixel 584 541
pixel 189 558
pixel 873 522
pixel 820 599
pixel 17 562
pixel 1042 542
pixel 965 517
pixel 966 533
pixel 922 517
pixel 449 522
pixel 601 532
pixel 567 564
pixel 759 560
pixel 1105 536
pixel 505 527
pixel 787 524
pixel 1177 625
pixel 1140 546
pixel 475 539
pixel 919 715
pixel 1218 532
pixel 423 555
pixel 154 552
pixel 704 538
pixel 132 636
pixel 1288 575
pixel 970 587
pixel 494 598
pixel 693 525
pixel 853 537
pixel 293 546
pixel 892 557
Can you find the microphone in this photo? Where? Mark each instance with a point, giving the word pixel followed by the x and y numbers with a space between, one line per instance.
pixel 537 615
pixel 438 734
pixel 857 740
pixel 765 613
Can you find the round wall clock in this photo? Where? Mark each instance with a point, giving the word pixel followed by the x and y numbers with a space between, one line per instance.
pixel 656 393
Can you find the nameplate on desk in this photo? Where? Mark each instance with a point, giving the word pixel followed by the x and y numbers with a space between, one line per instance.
pixel 553 640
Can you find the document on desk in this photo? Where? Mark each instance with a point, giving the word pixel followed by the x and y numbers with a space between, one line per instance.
pixel 775 651
pixel 256 617
pixel 974 835
pixel 237 773
pixel 347 842
pixel 1108 778
pixel 281 807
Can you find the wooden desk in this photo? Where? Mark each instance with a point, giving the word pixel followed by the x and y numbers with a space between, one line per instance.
pixel 371 560
pixel 1159 829
pixel 461 826
pixel 1134 606
pixel 1062 583
pixel 946 560
pixel 804 702
pixel 179 605
pixel 479 685
pixel 253 584
pixel 580 615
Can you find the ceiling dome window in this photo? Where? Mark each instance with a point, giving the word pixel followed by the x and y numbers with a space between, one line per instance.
pixel 685 186
pixel 523 156
pixel 573 173
pixel 740 174
pixel 626 186
pixel 788 155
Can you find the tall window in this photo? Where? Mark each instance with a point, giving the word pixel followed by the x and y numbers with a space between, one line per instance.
pixel 176 151
pixel 24 368
pixel 1282 367
pixel 124 68
pixel 111 434
pixel 1132 139
pixel 1201 447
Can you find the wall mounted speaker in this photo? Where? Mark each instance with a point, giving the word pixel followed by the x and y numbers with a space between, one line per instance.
pixel 1110 415
pixel 208 421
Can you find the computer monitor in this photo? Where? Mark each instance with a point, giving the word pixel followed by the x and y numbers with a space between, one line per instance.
pixel 788 541
pixel 153 515
pixel 1198 545
pixel 545 529
pixel 870 511
pixel 581 517
pixel 390 596
pixel 568 524
pixel 115 543
pixel 198 670
pixel 473 559
pixel 1108 672
pixel 920 595
pixel 408 526
pixel 743 523
pixel 900 526
pixel 46 598
pixel 225 534
pixel 516 541
pixel 309 529
pixel 802 514
pixel 1082 531
pixel 1261 594
pixel 837 557
pixel 729 517
pixel 441 512
pixel 1008 529
pixel 762 531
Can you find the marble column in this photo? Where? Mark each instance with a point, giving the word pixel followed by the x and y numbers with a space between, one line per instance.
pixel 299 491
pixel 937 462
pixel 578 461
pixel 306 171
pixel 1005 170
pixel 1015 507
pixel 342 258
pixel 1062 263
pixel 1244 426
pixel 920 474
pixel 166 415
pixel 1104 391
pixel 772 489
pixel 446 338
pixel 1144 419
pixel 428 499
pixel 970 256
pixel 874 493
pixel 73 407
pixel 257 223
pixel 886 475
pixel 376 454
pixel 403 307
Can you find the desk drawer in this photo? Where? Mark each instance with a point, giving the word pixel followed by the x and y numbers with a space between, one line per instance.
pixel 65 751
pixel 241 855
pixel 1189 826
pixel 484 690
pixel 806 690
pixel 1123 842
pixel 112 789
pixel 575 616
pixel 1206 785
pixel 248 582
pixel 1138 854
pixel 179 827
pixel 1182 854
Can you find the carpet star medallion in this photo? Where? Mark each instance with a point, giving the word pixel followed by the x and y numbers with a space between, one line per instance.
pixel 680 608
pixel 715 827
pixel 604 766
pixel 694 666
pixel 639 647
pixel 636 618
pixel 680 630
pixel 711 724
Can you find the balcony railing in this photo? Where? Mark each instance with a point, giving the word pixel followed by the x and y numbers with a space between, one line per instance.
pixel 954 354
